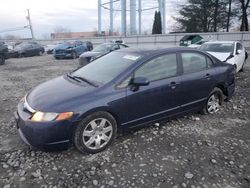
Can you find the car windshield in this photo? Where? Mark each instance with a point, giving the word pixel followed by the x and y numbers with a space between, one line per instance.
pixel 106 68
pixel 22 46
pixel 102 48
pixel 217 47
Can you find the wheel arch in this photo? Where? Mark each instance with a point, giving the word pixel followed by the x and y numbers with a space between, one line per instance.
pixel 99 109
pixel 222 87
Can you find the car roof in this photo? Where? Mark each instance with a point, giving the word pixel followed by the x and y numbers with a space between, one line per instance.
pixel 155 51
pixel 220 42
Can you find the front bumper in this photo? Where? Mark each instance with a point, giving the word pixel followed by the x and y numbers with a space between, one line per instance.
pixel 43 134
pixel 62 55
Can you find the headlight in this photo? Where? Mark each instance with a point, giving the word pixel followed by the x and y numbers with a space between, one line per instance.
pixel 42 116
pixel 69 49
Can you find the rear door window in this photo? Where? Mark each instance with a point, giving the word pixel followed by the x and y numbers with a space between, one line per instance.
pixel 193 62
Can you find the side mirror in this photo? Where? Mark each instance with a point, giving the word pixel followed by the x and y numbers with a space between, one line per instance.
pixel 139 81
pixel 238 52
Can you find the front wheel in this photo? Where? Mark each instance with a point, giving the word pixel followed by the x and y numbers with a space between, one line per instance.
pixel 95 133
pixel 213 102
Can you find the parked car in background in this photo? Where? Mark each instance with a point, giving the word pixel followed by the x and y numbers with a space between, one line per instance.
pixel 89 45
pixel 49 48
pixel 3 53
pixel 197 44
pixel 122 90
pixel 70 49
pixel 27 49
pixel 231 52
pixel 98 51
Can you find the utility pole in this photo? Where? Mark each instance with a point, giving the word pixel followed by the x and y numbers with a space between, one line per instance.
pixel 139 16
pixel 30 24
pixel 123 17
pixel 99 18
pixel 111 17
pixel 133 17
pixel 162 9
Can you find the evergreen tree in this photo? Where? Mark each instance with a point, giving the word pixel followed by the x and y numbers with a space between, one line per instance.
pixel 157 26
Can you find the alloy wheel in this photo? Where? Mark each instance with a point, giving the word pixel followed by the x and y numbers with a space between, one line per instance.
pixel 97 133
pixel 213 103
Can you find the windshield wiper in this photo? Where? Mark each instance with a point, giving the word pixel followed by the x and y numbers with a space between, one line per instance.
pixel 83 79
pixel 72 77
pixel 86 80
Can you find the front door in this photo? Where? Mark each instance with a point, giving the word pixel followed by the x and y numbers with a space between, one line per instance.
pixel 161 97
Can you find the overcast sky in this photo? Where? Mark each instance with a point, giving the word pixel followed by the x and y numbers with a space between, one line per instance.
pixel 77 15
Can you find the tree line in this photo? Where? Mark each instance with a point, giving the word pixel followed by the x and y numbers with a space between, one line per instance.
pixel 213 15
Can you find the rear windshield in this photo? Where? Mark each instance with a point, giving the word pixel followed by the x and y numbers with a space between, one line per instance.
pixel 217 47
pixel 106 68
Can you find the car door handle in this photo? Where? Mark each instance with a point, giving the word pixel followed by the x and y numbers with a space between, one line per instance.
pixel 207 77
pixel 173 85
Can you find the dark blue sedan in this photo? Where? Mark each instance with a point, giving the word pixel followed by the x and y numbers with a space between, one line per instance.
pixel 124 89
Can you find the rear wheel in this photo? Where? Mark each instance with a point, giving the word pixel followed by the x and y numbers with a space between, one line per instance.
pixel 213 102
pixel 2 59
pixel 95 133
pixel 40 53
pixel 21 55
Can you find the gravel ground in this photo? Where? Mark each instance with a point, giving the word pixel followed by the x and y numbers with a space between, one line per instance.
pixel 191 151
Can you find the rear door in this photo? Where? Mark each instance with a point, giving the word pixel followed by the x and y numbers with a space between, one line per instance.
pixel 161 97
pixel 30 51
pixel 197 80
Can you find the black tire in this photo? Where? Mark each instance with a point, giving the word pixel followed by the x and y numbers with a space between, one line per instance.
pixel 21 55
pixel 78 137
pixel 40 53
pixel 2 59
pixel 74 55
pixel 217 92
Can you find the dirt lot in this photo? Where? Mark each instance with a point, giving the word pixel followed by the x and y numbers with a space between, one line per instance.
pixel 193 151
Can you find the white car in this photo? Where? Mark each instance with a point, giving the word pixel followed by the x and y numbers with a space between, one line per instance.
pixel 231 52
pixel 197 44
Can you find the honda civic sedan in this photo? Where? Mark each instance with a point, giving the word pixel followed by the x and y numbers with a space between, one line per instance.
pixel 122 90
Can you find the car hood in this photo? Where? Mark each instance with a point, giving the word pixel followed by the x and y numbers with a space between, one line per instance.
pixel 220 56
pixel 58 95
pixel 91 54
